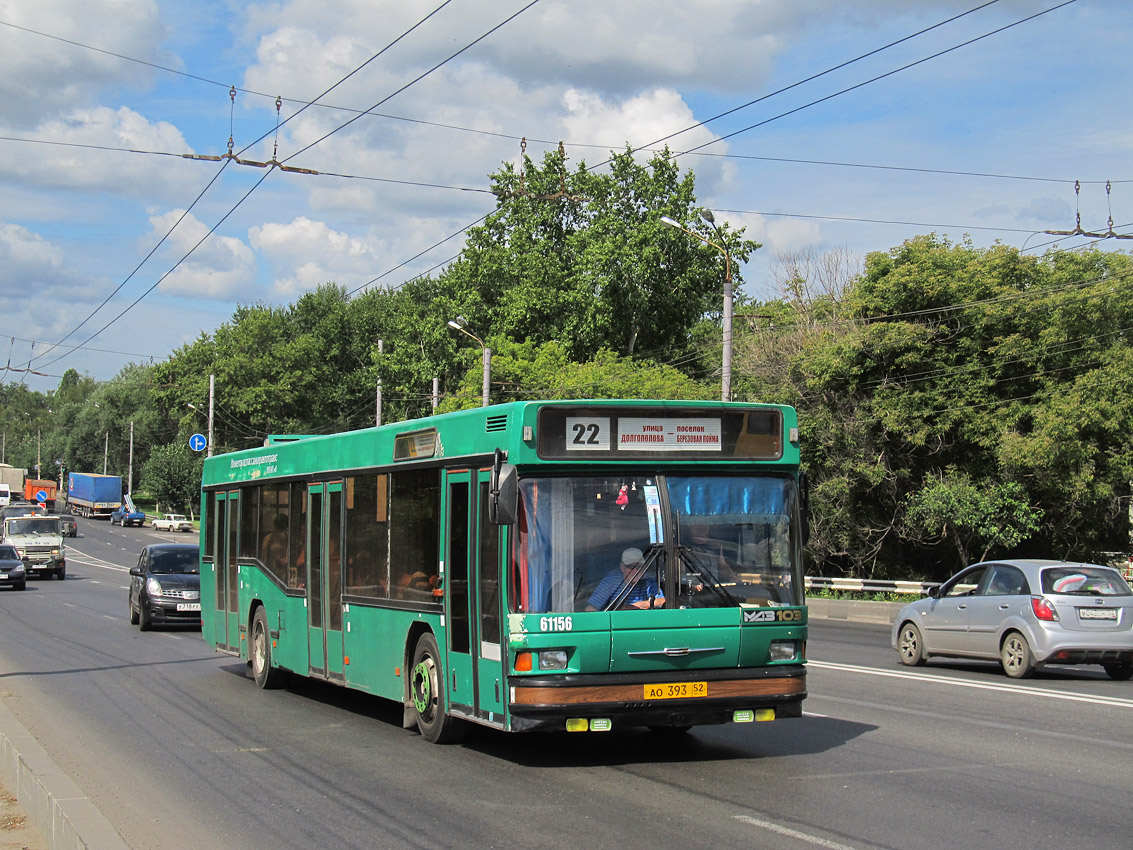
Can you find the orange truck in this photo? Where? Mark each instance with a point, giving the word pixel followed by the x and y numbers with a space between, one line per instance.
pixel 34 486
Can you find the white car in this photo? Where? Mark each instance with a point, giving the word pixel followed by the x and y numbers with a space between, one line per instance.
pixel 173 522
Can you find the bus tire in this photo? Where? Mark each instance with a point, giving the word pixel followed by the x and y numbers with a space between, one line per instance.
pixel 426 688
pixel 266 676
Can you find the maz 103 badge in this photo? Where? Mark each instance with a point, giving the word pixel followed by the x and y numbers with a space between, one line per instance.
pixel 773 615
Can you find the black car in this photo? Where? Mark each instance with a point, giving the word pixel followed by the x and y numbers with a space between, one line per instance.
pixel 69 525
pixel 12 568
pixel 166 586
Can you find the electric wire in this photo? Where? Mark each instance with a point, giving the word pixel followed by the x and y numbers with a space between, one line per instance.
pixel 259 182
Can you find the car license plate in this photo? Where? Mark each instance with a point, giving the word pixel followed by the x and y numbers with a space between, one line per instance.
pixel 1097 613
pixel 188 606
pixel 3 576
pixel 677 690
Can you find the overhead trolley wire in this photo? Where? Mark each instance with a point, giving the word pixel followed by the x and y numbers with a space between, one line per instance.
pixel 789 112
pixel 261 180
pixel 877 78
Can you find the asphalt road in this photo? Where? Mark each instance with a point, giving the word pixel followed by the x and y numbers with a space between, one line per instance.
pixel 179 748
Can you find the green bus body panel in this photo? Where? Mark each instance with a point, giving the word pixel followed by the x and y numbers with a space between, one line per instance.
pixel 375 645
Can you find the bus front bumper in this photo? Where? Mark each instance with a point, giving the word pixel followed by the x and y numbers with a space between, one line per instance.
pixel 547 702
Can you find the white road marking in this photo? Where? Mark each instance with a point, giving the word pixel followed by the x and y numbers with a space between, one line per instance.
pixel 793 833
pixel 1068 696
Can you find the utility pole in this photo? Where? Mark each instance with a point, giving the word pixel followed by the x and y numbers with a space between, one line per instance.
pixel 378 401
pixel 130 475
pixel 212 397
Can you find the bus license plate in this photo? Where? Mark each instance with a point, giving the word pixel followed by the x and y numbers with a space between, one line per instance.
pixel 677 690
pixel 188 606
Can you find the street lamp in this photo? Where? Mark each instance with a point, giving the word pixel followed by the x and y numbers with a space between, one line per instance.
pixel 726 371
pixel 461 324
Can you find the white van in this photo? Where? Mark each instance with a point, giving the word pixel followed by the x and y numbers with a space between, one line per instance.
pixel 5 495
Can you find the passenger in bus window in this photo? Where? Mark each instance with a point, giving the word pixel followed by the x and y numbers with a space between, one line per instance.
pixel 645 593
pixel 273 549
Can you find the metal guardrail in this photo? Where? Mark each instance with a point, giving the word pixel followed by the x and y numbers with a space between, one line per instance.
pixel 868 585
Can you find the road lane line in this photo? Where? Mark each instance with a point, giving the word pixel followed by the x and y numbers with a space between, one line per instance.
pixel 793 833
pixel 1069 696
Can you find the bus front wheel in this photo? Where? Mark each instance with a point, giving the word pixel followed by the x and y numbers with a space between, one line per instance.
pixel 266 676
pixel 426 686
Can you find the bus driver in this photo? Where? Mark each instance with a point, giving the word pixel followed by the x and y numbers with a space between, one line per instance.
pixel 645 593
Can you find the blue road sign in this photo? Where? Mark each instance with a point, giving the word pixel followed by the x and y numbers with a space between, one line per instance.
pixel 197 442
pixel 41 495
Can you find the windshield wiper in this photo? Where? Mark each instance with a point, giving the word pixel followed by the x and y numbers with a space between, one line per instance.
pixel 696 561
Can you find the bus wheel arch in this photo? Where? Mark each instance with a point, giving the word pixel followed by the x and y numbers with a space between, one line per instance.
pixel 428 694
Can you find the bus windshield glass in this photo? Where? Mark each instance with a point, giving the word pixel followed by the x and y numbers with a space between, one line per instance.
pixel 602 542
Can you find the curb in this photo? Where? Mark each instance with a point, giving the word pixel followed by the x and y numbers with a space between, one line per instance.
pixel 55 806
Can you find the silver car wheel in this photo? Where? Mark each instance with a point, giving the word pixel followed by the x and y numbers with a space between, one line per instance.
pixel 1015 655
pixel 910 645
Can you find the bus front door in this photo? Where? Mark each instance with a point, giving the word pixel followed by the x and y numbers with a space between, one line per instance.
pixel 324 579
pixel 227 525
pixel 472 601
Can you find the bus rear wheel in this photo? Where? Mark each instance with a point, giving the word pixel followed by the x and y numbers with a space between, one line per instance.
pixel 266 676
pixel 426 687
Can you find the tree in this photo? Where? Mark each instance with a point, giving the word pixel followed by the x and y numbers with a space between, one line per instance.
pixel 582 258
pixel 975 516
pixel 526 370
pixel 172 475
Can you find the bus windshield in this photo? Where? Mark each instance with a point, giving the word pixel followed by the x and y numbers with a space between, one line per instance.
pixel 601 542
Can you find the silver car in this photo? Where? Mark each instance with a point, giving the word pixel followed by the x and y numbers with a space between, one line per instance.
pixel 1027 613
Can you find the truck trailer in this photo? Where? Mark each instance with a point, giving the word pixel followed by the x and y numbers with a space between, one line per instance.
pixel 93 495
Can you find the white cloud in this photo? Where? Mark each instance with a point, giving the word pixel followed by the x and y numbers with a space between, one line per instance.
pixel 77 164
pixel 314 254
pixel 222 268
pixel 40 76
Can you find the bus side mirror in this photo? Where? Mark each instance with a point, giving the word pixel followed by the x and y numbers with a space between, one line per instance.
pixel 503 492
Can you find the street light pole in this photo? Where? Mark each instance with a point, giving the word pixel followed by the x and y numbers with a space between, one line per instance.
pixel 461 324
pixel 729 297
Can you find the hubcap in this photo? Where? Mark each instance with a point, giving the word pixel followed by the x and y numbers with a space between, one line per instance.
pixel 423 689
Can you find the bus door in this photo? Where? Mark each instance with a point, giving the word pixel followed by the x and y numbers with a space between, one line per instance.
pixel 474 681
pixel 227 526
pixel 489 663
pixel 324 579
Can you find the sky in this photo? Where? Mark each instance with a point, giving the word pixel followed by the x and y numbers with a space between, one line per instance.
pixel 115 248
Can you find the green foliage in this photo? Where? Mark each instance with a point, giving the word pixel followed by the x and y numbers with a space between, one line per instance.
pixel 956 401
pixel 976 516
pixel 527 370
pixel 172 476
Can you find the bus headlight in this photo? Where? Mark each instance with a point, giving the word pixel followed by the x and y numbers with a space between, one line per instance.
pixel 553 659
pixel 783 650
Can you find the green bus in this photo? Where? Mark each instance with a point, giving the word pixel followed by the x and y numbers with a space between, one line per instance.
pixel 540 565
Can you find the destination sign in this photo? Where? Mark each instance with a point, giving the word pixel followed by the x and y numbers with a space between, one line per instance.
pixel 581 432
pixel 669 435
